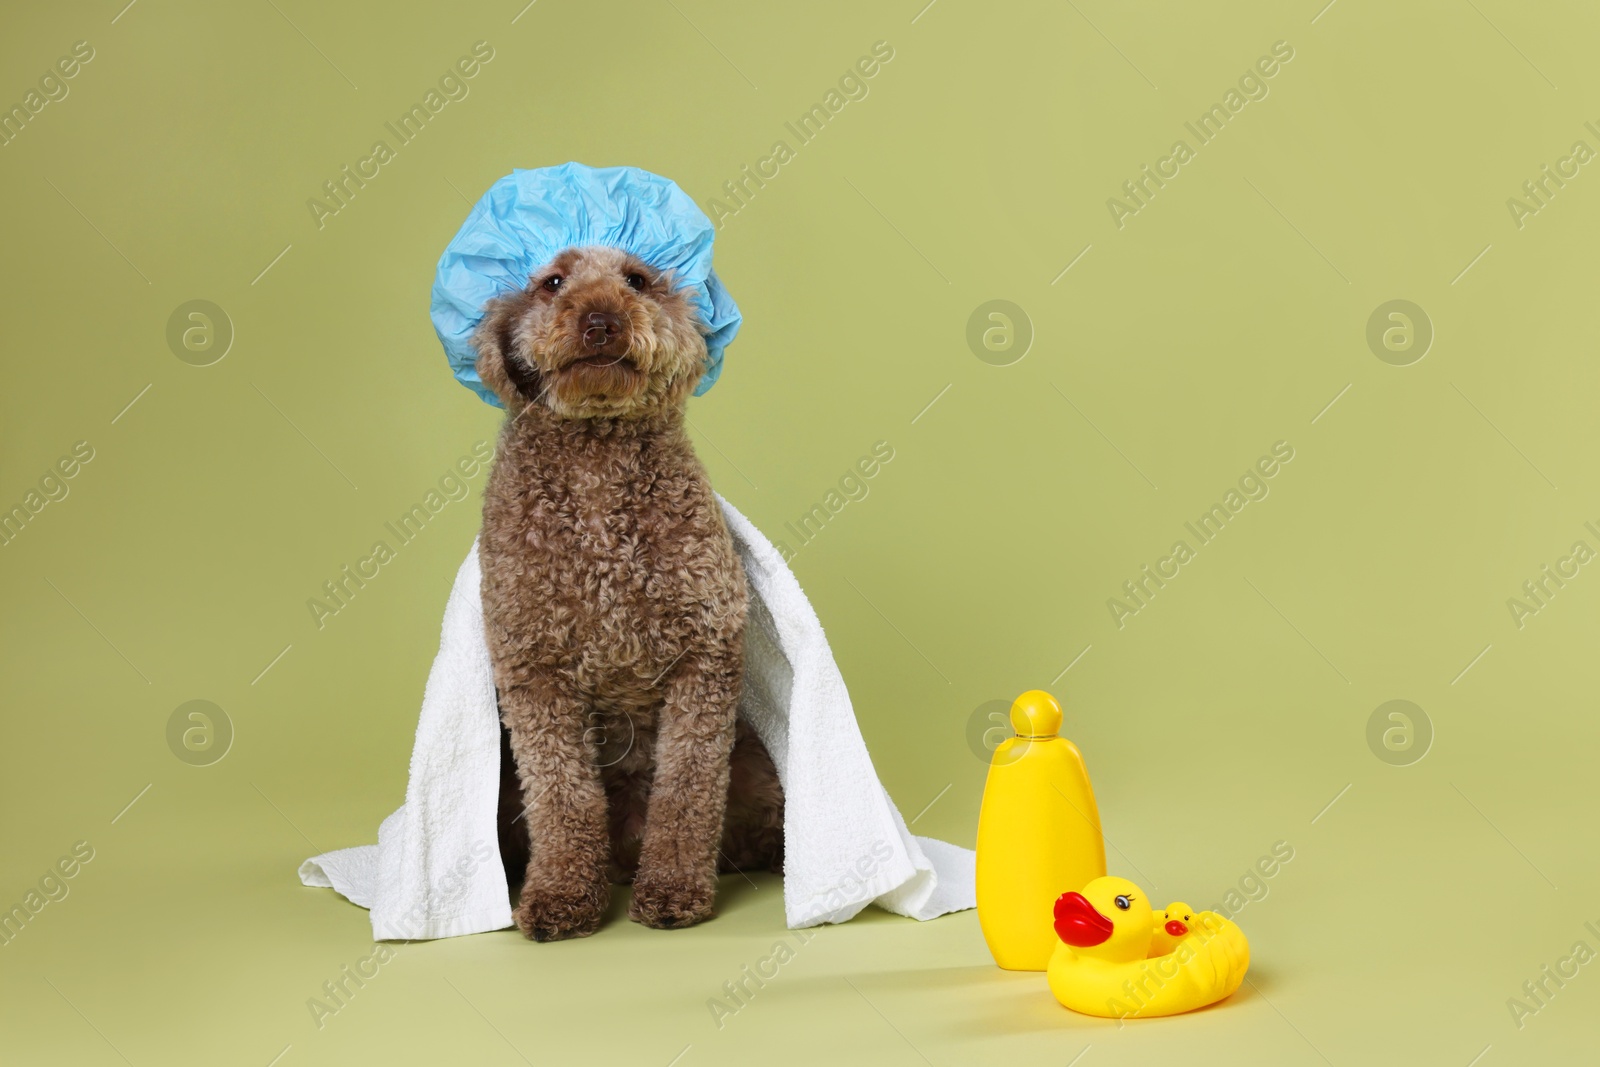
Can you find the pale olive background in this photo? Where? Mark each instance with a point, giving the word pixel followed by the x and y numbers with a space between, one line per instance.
pixel 1223 318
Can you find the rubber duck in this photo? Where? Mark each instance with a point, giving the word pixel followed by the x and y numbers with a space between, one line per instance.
pixel 1038 830
pixel 1170 927
pixel 1102 965
pixel 1180 921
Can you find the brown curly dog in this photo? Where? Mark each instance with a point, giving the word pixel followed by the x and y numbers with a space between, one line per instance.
pixel 614 605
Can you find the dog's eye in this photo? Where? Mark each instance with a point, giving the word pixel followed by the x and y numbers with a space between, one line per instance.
pixel 636 282
pixel 553 283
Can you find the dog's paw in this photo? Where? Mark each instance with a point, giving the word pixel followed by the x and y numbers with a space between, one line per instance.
pixel 669 899
pixel 554 913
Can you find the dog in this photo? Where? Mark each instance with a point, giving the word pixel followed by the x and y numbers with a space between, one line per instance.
pixel 614 606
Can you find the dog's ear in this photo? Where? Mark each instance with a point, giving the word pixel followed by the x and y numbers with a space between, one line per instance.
pixel 512 379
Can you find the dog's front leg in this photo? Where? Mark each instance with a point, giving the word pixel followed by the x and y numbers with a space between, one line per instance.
pixel 676 884
pixel 566 891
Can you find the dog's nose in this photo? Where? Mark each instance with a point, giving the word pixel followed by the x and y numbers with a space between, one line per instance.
pixel 600 326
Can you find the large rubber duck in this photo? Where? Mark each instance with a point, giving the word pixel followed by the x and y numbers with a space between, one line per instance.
pixel 1102 966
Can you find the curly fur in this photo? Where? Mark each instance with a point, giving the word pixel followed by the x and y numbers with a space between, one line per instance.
pixel 614 606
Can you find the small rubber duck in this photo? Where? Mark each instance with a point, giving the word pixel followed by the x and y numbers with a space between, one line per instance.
pixel 1170 927
pixel 1102 966
pixel 1180 921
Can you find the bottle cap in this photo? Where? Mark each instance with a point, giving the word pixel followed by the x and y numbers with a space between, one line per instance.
pixel 1036 715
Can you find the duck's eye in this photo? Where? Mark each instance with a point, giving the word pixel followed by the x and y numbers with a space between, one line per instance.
pixel 553 283
pixel 1123 902
pixel 636 282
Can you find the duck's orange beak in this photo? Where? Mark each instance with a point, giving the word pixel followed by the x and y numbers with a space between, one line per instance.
pixel 1077 922
pixel 1176 928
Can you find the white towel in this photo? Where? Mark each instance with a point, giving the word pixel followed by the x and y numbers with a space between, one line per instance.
pixel 436 871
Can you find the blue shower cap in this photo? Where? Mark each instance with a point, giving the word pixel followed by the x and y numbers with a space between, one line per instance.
pixel 529 215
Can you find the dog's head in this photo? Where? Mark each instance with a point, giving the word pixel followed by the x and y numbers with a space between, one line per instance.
pixel 597 333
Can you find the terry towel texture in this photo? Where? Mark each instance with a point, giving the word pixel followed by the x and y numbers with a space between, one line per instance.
pixel 436 871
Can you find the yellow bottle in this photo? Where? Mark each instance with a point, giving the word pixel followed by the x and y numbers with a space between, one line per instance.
pixel 1038 835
